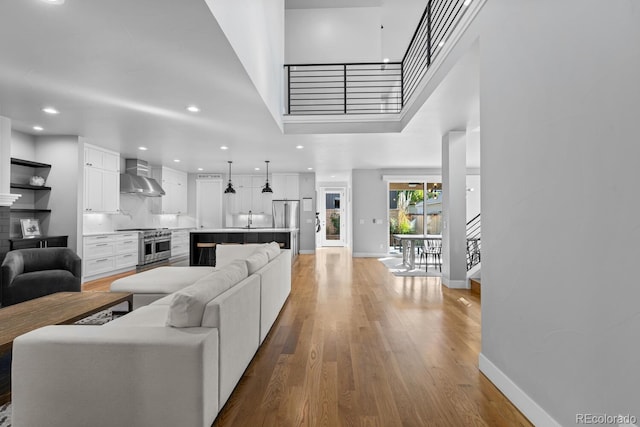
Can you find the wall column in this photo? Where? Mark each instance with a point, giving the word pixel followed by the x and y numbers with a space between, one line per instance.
pixel 454 210
pixel 6 199
pixel 5 154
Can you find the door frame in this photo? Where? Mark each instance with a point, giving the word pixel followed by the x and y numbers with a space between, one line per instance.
pixel 400 179
pixel 201 179
pixel 344 223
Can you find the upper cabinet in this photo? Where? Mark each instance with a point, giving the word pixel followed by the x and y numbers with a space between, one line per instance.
pixel 249 196
pixel 286 186
pixel 174 184
pixel 101 180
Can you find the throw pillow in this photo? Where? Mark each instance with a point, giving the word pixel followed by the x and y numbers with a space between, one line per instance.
pixel 273 250
pixel 257 260
pixel 187 306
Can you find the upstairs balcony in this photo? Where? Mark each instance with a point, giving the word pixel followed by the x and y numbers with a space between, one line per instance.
pixel 374 96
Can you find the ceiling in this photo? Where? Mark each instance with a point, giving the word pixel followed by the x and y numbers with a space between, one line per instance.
pixel 121 73
pixel 315 4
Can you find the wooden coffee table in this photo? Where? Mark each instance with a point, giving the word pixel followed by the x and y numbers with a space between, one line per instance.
pixel 62 308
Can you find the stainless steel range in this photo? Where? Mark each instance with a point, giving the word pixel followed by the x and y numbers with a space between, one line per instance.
pixel 154 244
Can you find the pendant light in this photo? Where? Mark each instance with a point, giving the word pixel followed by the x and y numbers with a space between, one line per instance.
pixel 230 189
pixel 266 188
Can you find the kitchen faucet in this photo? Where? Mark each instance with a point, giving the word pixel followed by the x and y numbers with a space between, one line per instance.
pixel 249 220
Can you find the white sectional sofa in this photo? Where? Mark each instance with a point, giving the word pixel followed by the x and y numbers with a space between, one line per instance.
pixel 174 362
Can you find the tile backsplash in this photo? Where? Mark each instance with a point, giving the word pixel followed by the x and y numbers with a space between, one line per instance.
pixel 135 212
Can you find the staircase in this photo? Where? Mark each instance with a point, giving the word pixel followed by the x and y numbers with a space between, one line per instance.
pixel 474 231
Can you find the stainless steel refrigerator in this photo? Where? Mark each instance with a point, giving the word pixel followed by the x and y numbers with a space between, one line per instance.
pixel 286 213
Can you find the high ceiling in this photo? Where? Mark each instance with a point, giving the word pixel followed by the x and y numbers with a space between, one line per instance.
pixel 121 73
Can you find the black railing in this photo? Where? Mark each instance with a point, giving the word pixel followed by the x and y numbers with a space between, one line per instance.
pixel 436 25
pixel 474 234
pixel 364 88
pixel 356 88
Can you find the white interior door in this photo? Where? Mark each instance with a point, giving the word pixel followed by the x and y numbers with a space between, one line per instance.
pixel 332 217
pixel 209 203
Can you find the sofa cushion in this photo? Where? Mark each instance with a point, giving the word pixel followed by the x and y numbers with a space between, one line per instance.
pixel 227 253
pixel 273 250
pixel 150 315
pixel 161 280
pixel 187 305
pixel 257 260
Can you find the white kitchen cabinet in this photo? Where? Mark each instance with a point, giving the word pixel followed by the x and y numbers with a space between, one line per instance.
pixel 106 254
pixel 175 185
pixel 101 180
pixel 249 195
pixel 286 186
pixel 100 158
pixel 179 243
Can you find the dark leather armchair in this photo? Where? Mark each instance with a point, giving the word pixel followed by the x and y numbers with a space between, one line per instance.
pixel 33 273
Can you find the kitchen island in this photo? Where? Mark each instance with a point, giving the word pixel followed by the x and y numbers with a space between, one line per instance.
pixel 286 237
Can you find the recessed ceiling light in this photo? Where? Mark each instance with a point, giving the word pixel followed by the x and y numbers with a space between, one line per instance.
pixel 333 176
pixel 467 2
pixel 176 160
pixel 224 147
pixel 309 169
pixel 143 148
pixel 193 109
pixel 54 1
pixel 50 110
pixel 385 60
pixel 299 147
pixel 200 169
pixel 38 128
pixel 440 44
pixel 257 169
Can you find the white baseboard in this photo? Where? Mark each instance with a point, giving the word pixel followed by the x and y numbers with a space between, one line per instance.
pixel 515 394
pixel 455 284
pixel 369 255
pixel 307 252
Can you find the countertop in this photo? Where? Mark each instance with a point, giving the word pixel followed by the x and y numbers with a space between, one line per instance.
pixel 245 230
pixel 101 233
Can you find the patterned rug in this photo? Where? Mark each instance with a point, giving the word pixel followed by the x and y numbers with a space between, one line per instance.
pixel 97 319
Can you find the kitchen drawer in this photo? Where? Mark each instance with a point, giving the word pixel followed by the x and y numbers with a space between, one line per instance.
pixel 127 236
pixel 99 239
pixel 98 250
pixel 127 246
pixel 98 265
pixel 180 249
pixel 126 260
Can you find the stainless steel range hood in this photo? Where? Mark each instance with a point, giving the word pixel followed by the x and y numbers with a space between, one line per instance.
pixel 136 180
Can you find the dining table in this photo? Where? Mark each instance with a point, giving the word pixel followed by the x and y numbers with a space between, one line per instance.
pixel 409 246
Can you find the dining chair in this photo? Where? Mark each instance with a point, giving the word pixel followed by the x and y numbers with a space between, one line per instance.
pixel 434 248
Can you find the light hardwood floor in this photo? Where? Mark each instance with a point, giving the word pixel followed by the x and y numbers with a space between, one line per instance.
pixel 356 346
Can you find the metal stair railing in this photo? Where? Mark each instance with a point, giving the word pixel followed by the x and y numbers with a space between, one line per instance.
pixel 373 87
pixel 474 234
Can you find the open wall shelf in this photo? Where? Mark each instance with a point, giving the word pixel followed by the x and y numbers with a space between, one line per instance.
pixel 20 210
pixel 29 163
pixel 30 187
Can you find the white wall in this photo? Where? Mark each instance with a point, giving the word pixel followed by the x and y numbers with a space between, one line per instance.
pixel 23 145
pixel 400 20
pixel 473 196
pixel 369 201
pixel 333 35
pixel 255 29
pixel 559 115
pixel 307 186
pixel 61 152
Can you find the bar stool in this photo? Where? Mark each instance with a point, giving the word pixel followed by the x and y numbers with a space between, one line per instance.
pixel 207 253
